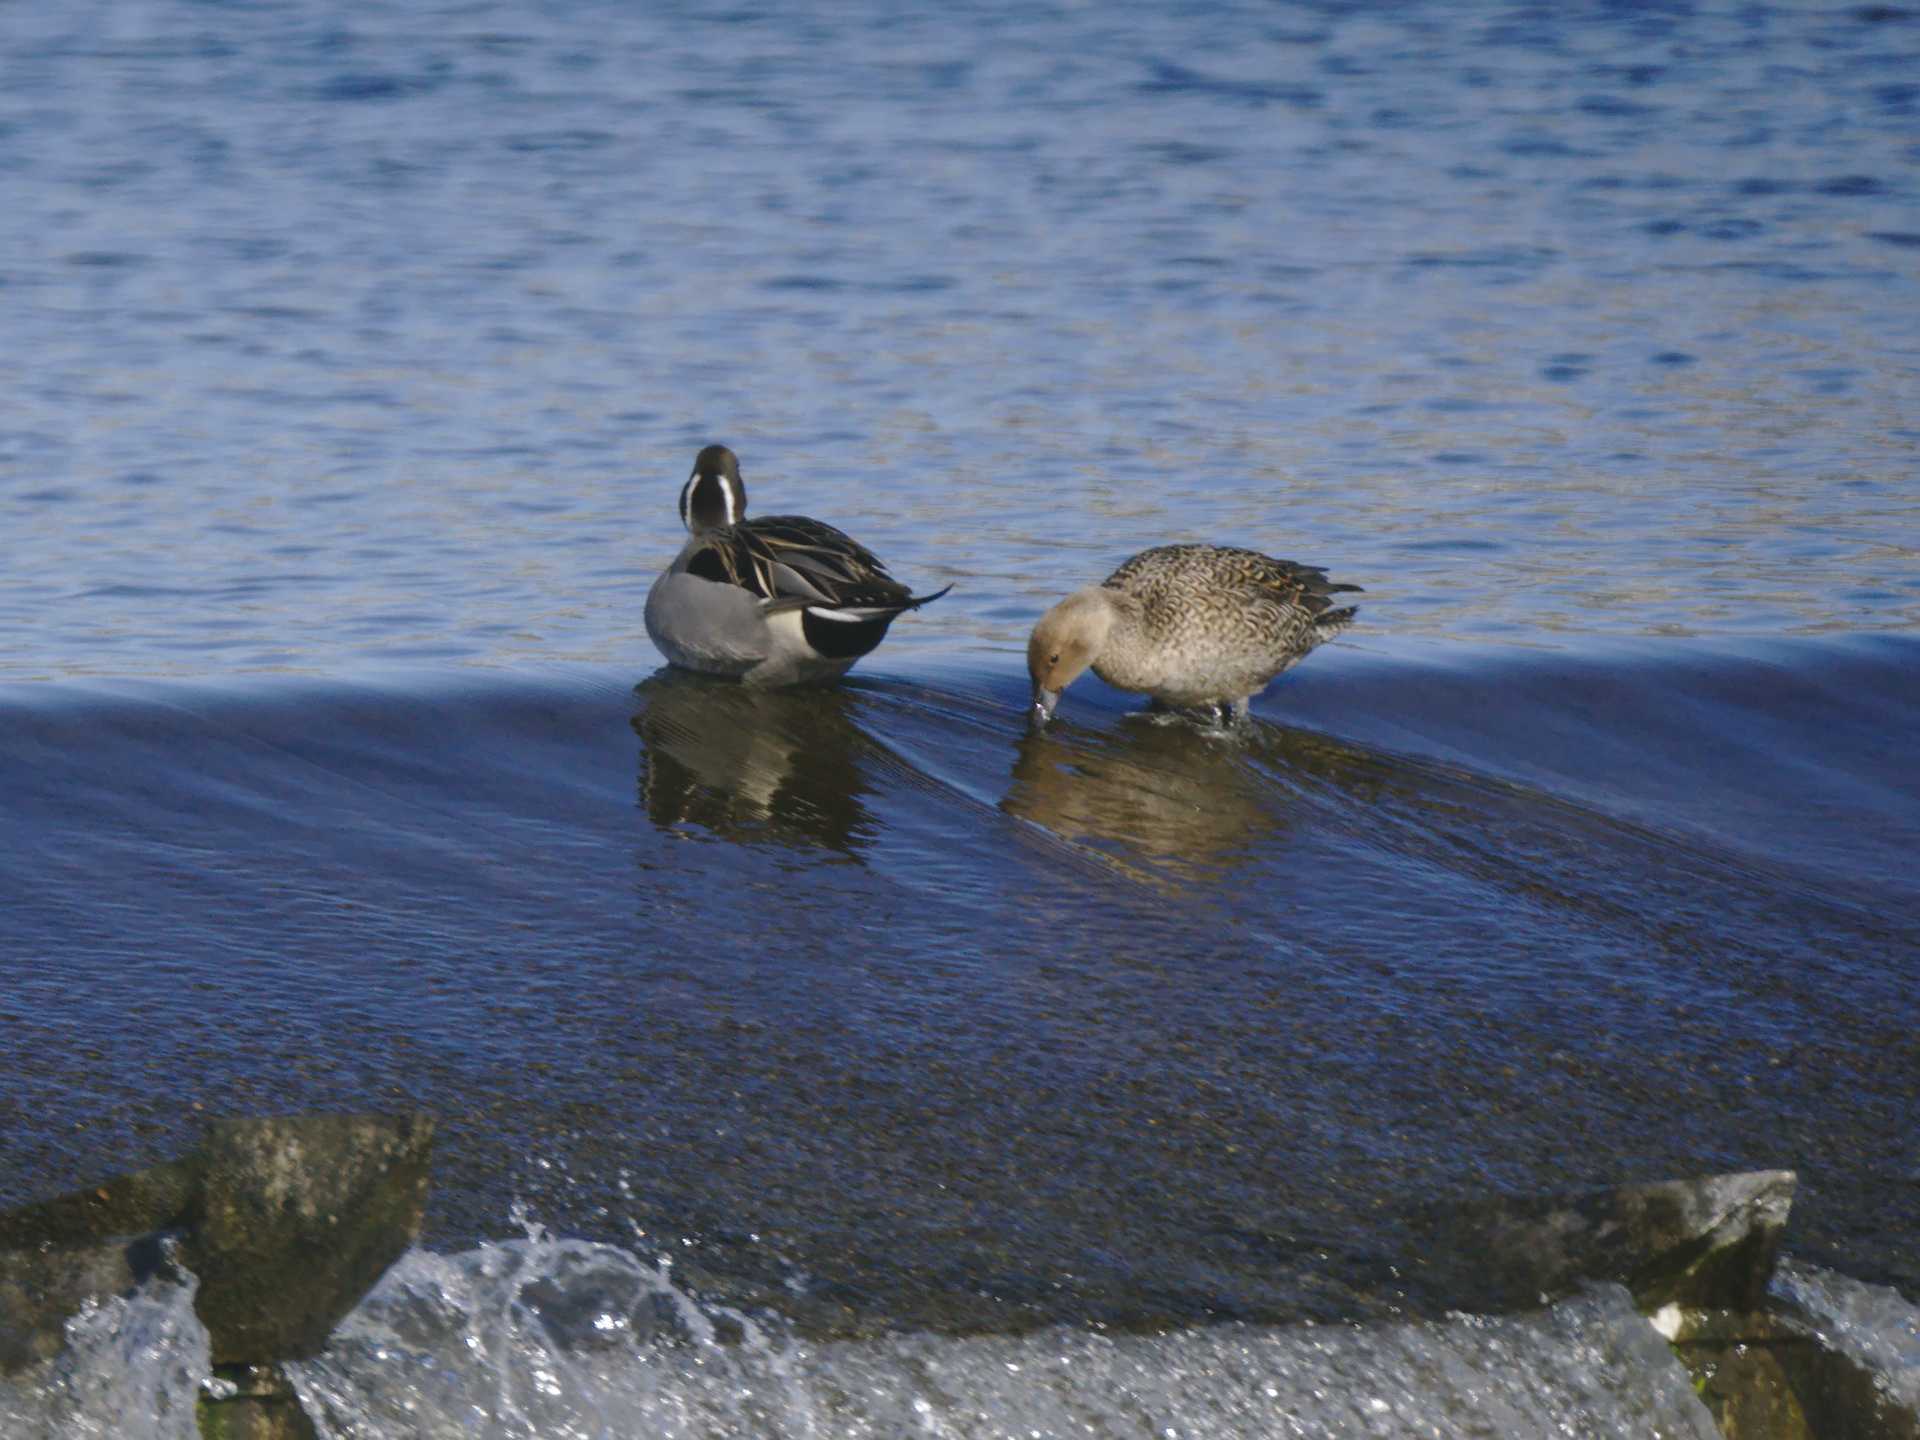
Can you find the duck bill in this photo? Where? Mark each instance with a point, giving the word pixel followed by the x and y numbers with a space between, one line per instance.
pixel 1043 703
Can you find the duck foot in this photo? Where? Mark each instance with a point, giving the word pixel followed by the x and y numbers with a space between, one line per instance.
pixel 1222 713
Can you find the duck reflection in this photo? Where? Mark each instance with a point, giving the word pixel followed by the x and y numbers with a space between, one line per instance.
pixel 1163 799
pixel 751 764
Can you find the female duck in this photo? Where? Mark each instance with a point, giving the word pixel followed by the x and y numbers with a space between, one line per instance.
pixel 778 600
pixel 1197 627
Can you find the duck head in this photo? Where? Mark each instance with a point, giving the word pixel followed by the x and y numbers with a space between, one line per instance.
pixel 714 497
pixel 1067 640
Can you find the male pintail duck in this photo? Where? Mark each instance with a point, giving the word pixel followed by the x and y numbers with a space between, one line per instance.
pixel 1197 627
pixel 777 600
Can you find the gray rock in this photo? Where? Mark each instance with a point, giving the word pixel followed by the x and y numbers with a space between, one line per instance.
pixel 287 1223
pixel 41 1287
pixel 297 1219
pixel 1706 1244
pixel 1773 1375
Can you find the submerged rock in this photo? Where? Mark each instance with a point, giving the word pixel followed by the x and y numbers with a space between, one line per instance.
pixel 287 1222
pixel 41 1287
pixel 1831 1358
pixel 1705 1244
pixel 253 1402
pixel 161 1197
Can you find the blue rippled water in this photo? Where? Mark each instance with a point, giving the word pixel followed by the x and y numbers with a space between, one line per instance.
pixel 354 357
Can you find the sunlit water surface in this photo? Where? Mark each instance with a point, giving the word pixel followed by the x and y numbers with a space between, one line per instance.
pixel 355 355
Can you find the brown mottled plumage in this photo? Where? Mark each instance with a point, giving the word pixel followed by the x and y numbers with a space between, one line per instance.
pixel 1193 626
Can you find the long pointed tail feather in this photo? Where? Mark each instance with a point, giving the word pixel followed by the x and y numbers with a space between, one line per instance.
pixel 859 614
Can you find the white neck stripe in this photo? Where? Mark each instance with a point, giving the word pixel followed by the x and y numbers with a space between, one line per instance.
pixel 696 485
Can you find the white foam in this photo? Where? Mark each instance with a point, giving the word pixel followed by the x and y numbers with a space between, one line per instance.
pixel 1872 1324
pixel 567 1339
pixel 131 1371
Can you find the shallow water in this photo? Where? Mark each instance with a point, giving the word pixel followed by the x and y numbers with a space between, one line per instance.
pixel 1125 1019
pixel 355 358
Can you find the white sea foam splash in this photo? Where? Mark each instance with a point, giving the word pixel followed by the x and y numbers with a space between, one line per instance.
pixel 1871 1324
pixel 571 1340
pixel 534 1337
pixel 567 1340
pixel 131 1370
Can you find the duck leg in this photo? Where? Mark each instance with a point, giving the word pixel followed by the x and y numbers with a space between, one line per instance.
pixel 1211 712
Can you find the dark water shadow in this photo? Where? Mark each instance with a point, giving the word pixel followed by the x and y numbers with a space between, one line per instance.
pixel 1174 798
pixel 787 766
pixel 1165 801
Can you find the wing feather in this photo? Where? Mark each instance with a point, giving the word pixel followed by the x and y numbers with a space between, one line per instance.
pixel 792 562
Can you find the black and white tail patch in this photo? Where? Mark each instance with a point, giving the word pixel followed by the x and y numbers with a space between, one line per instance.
pixel 841 636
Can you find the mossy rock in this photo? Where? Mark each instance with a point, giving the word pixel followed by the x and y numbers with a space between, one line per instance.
pixel 297 1218
pixel 286 1221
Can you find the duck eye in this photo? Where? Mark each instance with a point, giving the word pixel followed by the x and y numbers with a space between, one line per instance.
pixel 1054 659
